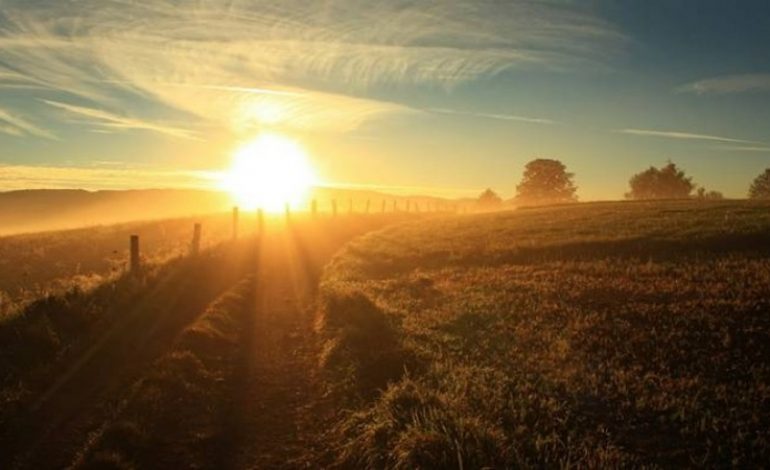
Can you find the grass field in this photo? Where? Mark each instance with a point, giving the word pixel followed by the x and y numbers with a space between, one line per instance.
pixel 607 334
pixel 63 354
pixel 590 335
pixel 38 264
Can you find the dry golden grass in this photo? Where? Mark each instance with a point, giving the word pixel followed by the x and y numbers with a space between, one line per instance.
pixel 173 417
pixel 65 358
pixel 593 335
pixel 49 263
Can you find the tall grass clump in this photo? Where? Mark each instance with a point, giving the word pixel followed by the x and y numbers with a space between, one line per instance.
pixel 361 351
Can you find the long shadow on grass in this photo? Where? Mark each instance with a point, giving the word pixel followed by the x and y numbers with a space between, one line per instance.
pixel 91 348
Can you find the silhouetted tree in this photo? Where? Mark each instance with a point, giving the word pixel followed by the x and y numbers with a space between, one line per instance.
pixel 668 182
pixel 760 187
pixel 489 200
pixel 545 181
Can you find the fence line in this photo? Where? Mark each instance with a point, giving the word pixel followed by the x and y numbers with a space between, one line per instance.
pixel 135 265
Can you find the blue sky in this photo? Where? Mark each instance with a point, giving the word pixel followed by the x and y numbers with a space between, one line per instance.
pixel 415 96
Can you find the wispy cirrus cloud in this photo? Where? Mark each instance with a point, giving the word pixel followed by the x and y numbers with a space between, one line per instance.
pixel 499 117
pixel 729 84
pixel 13 81
pixel 741 148
pixel 682 135
pixel 247 63
pixel 18 126
pixel 106 121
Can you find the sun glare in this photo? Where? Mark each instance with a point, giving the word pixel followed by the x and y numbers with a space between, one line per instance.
pixel 268 173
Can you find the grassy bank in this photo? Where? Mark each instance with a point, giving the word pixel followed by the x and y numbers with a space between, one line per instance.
pixel 592 335
pixel 174 415
pixel 36 265
pixel 63 355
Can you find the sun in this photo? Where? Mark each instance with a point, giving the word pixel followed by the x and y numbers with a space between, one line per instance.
pixel 268 173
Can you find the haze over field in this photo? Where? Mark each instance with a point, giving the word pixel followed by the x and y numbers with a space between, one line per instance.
pixel 384 234
pixel 444 98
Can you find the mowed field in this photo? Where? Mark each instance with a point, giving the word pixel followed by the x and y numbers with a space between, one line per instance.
pixel 593 335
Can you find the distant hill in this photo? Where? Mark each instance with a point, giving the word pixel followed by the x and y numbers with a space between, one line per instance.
pixel 53 209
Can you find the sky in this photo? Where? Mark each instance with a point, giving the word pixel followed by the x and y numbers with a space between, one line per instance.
pixel 421 96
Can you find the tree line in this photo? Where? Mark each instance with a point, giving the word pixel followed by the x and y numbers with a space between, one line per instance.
pixel 547 181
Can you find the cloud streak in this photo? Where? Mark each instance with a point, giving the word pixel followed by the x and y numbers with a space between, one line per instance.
pixel 729 84
pixel 17 126
pixel 682 135
pixel 235 63
pixel 106 121
pixel 746 148
pixel 499 117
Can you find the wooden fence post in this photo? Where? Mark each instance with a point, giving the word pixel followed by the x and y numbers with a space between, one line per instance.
pixel 382 209
pixel 235 222
pixel 334 207
pixel 260 222
pixel 350 206
pixel 135 267
pixel 408 204
pixel 314 208
pixel 287 210
pixel 196 241
pixel 368 204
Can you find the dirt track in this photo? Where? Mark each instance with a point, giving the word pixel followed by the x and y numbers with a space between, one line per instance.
pixel 278 412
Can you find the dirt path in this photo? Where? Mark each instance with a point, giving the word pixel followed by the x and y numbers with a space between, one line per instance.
pixel 279 413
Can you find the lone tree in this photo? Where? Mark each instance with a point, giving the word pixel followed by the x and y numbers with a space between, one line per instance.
pixel 489 200
pixel 668 182
pixel 545 181
pixel 760 187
